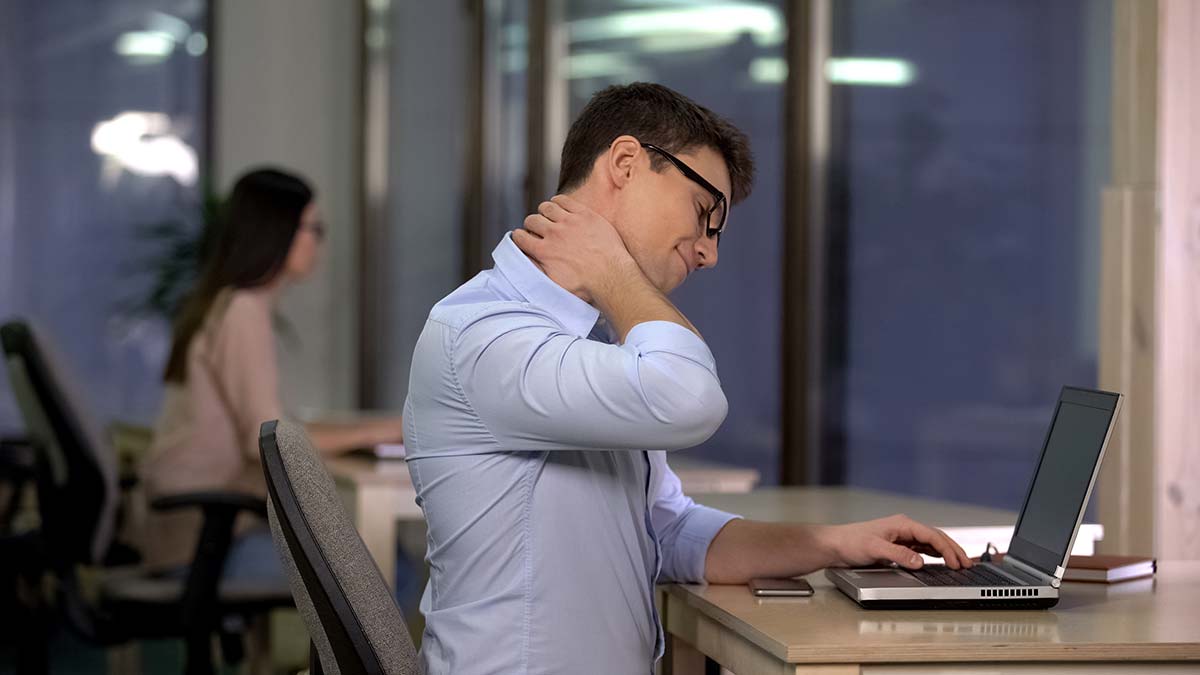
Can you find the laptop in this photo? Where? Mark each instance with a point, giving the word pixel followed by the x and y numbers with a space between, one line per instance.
pixel 1030 573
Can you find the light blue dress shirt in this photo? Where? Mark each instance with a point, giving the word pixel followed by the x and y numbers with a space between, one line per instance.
pixel 535 446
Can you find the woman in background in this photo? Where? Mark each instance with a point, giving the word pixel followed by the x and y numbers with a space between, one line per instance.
pixel 223 379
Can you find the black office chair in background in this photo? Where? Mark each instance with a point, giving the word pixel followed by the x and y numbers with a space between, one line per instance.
pixel 76 495
pixel 352 618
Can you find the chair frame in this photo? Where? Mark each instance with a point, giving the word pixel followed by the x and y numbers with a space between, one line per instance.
pixel 347 639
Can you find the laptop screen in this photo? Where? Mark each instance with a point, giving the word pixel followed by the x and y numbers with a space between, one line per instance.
pixel 1063 478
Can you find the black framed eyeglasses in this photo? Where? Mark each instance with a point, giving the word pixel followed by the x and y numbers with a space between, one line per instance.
pixel 719 212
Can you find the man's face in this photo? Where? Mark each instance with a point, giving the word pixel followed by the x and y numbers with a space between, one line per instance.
pixel 662 216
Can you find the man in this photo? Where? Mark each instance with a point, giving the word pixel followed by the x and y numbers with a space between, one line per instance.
pixel 544 391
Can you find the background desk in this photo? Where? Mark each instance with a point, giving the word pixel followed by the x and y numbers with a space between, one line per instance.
pixel 1144 626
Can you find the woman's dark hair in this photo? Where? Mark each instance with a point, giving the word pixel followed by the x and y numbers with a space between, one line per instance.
pixel 653 114
pixel 248 248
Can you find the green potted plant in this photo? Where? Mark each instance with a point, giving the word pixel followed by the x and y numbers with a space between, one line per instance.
pixel 178 248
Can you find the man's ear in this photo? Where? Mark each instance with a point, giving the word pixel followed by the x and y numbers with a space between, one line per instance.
pixel 621 160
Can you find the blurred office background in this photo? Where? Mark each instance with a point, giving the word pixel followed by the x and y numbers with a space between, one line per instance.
pixel 921 267
pixel 953 258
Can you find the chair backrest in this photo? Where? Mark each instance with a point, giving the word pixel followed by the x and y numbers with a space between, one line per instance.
pixel 77 491
pixel 351 615
pixel 17 468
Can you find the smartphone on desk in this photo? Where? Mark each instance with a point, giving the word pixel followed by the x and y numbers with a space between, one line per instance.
pixel 798 588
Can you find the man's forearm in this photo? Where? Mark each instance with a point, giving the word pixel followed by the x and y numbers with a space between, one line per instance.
pixel 628 298
pixel 747 549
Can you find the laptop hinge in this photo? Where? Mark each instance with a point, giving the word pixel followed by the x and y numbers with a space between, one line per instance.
pixel 1034 572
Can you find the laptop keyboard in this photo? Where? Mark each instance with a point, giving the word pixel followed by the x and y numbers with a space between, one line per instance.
pixel 940 575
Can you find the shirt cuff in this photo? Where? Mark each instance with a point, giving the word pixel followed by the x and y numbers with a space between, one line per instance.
pixel 700 526
pixel 667 336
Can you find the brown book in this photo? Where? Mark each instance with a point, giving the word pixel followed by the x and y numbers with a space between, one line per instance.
pixel 1103 569
pixel 1107 569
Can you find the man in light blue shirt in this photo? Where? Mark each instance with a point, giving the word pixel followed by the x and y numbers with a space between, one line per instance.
pixel 545 392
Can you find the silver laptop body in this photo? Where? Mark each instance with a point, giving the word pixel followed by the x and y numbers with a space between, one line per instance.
pixel 1030 573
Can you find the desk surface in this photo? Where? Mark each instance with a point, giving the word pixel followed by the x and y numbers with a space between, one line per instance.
pixel 1150 619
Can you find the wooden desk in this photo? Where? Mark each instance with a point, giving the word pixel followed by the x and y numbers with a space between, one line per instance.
pixel 1150 625
pixel 378 492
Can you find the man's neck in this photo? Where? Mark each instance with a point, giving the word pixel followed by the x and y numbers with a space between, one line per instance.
pixel 592 197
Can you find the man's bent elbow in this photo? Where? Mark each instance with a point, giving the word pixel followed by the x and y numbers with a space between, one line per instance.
pixel 696 416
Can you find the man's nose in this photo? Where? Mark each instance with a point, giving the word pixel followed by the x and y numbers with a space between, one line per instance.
pixel 706 251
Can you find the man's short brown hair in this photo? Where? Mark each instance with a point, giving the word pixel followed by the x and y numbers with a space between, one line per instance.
pixel 657 115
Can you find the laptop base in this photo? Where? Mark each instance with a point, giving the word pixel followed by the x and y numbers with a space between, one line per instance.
pixel 1031 603
pixel 891 588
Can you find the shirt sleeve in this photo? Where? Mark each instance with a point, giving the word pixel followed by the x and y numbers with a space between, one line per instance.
pixel 537 387
pixel 684 528
pixel 244 360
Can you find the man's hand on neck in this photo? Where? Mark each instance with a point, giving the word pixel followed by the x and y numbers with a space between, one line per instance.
pixel 582 252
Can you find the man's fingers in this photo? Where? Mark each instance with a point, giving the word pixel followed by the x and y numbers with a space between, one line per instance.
pixel 569 204
pixel 955 550
pixel 552 212
pixel 536 224
pixel 921 548
pixel 944 546
pixel 962 555
pixel 528 243
pixel 901 555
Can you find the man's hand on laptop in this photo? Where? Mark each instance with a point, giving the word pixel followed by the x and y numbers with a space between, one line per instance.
pixel 748 549
pixel 895 539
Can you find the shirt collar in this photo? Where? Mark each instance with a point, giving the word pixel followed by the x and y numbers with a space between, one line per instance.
pixel 574 314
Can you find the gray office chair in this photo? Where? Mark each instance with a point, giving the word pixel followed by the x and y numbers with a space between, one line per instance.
pixel 352 618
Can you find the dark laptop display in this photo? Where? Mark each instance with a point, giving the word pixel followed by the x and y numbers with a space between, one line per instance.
pixel 1055 500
